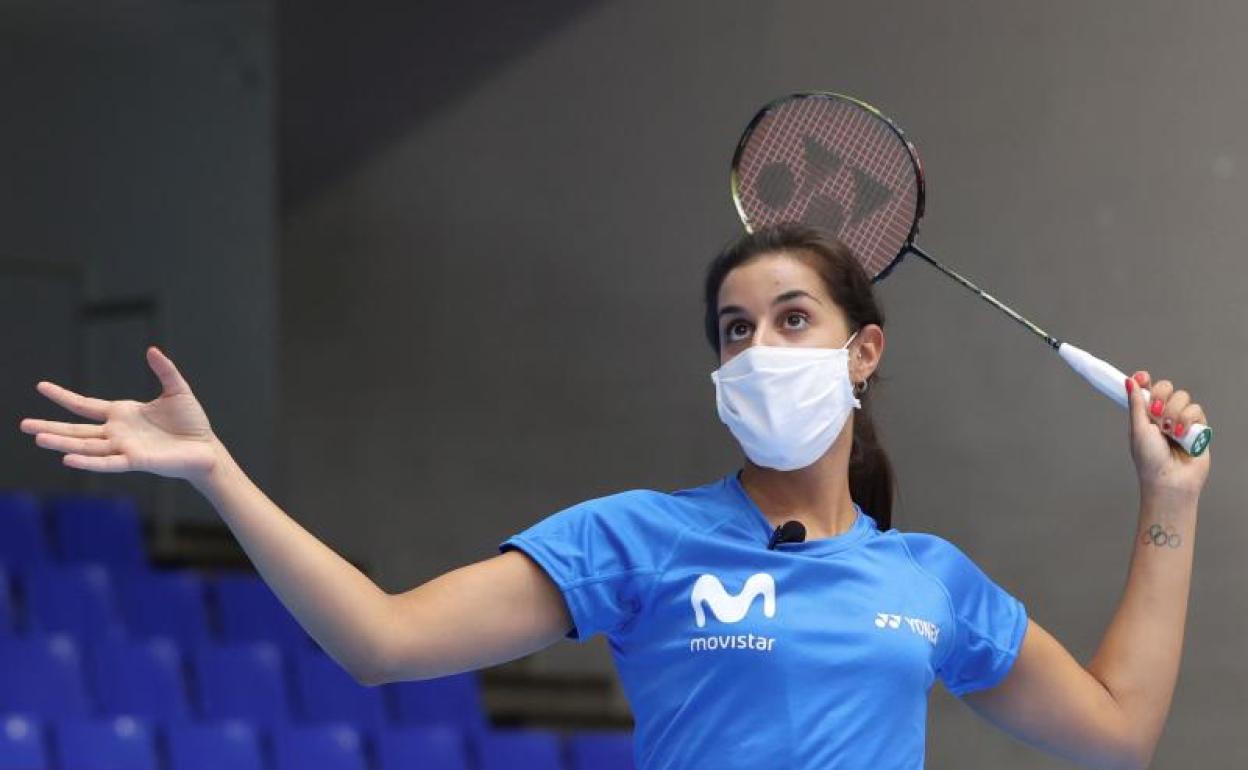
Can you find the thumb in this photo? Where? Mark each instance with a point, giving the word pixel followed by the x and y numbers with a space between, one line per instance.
pixel 171 381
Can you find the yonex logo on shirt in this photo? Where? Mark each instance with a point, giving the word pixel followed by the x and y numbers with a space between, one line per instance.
pixel 728 608
pixel 924 628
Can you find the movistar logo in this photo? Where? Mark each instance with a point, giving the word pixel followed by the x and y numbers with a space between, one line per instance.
pixel 729 608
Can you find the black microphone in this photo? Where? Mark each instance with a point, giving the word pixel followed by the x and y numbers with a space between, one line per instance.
pixel 788 532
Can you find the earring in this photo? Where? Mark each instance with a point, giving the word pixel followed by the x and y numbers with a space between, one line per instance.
pixel 860 392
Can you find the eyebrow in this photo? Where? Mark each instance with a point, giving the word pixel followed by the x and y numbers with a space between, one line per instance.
pixel 785 297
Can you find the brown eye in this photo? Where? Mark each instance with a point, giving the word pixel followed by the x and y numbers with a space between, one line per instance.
pixel 735 325
pixel 801 317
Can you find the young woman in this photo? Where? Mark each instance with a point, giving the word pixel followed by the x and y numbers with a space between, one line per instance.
pixel 737 651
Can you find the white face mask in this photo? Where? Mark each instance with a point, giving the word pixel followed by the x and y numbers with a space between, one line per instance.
pixel 786 405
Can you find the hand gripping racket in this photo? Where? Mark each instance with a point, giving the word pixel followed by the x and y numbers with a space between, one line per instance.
pixel 838 164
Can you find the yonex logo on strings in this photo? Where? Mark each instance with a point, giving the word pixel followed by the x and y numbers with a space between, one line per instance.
pixel 777 187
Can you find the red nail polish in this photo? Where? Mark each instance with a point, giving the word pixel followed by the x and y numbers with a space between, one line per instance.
pixel 1139 377
pixel 1180 429
pixel 1156 407
pixel 1130 385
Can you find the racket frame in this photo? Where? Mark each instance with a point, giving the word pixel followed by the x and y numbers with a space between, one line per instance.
pixel 920 197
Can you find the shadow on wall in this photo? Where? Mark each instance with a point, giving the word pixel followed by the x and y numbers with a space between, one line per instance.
pixel 354 77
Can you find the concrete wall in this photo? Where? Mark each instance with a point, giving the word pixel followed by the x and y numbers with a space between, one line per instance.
pixel 138 165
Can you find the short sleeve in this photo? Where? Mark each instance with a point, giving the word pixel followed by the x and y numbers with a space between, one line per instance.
pixel 600 554
pixel 990 621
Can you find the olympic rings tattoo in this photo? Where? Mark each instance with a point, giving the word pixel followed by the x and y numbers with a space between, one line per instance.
pixel 1157 536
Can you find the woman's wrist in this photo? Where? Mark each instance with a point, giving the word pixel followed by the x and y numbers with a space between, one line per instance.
pixel 210 480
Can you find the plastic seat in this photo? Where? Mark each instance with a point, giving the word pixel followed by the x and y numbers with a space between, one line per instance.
pixel 140 678
pixel 21 743
pixel 230 744
pixel 327 693
pixel 429 747
pixel 121 743
pixel 250 611
pixel 8 623
pixel 23 538
pixel 601 750
pixel 243 680
pixel 75 599
pixel 454 699
pixel 42 676
pixel 98 529
pixel 518 750
pixel 318 747
pixel 171 604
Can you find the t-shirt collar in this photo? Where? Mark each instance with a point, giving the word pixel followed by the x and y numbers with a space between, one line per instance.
pixel 862 527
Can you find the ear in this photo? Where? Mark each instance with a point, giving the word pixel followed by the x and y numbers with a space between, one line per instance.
pixel 865 352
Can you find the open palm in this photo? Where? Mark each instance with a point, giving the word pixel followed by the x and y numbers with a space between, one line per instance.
pixel 169 435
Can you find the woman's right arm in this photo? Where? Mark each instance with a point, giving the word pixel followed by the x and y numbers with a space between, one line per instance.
pixel 481 614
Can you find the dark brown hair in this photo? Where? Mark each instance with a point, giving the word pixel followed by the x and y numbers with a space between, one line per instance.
pixel 871 478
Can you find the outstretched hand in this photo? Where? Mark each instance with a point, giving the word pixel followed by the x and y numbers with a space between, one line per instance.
pixel 1160 463
pixel 169 435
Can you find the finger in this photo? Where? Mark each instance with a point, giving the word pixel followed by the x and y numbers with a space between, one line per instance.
pixel 1178 400
pixel 83 446
pixel 1192 414
pixel 75 429
pixel 1160 391
pixel 110 464
pixel 83 406
pixel 171 381
pixel 1142 378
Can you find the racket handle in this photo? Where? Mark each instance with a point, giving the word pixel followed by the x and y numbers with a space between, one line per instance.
pixel 1107 379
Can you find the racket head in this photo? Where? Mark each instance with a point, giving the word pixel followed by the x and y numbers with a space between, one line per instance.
pixel 835 163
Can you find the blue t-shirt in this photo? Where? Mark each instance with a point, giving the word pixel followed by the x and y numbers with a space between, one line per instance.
pixel 814 655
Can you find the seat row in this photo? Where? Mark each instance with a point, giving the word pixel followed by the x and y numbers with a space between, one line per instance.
pixel 93 601
pixel 28 743
pixel 65 527
pixel 53 676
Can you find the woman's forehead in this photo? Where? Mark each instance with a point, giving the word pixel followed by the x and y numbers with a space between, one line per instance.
pixel 762 278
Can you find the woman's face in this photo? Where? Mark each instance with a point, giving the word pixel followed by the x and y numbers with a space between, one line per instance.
pixel 779 300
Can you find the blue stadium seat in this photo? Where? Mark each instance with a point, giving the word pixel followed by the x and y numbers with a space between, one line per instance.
pixel 593 750
pixel 242 680
pixel 163 603
pixel 452 699
pixel 23 539
pixel 21 743
pixel 98 529
pixel 429 747
pixel 42 676
pixel 120 743
pixel 8 622
pixel 250 611
pixel 518 750
pixel 140 678
pixel 231 744
pixel 327 693
pixel 75 599
pixel 318 747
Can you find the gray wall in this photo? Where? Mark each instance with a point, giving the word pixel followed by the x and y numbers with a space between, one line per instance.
pixel 137 162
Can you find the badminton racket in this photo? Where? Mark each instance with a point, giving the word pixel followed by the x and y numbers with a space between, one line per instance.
pixel 840 165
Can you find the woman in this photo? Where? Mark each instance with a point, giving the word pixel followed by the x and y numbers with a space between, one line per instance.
pixel 737 651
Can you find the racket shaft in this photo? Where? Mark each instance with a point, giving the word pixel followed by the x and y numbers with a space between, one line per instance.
pixel 1109 380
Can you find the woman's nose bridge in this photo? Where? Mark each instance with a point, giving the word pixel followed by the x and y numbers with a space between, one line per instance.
pixel 764 334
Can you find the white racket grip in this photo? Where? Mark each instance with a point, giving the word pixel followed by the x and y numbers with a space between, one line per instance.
pixel 1113 383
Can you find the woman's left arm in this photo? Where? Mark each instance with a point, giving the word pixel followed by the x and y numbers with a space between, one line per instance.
pixel 1110 714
